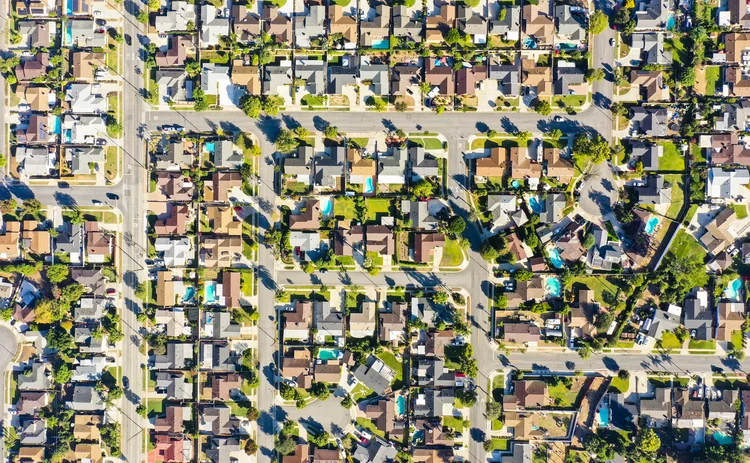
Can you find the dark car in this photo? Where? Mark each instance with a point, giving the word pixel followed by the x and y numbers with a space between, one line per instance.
pixel 128 40
pixel 125 382
pixel 112 196
pixel 63 185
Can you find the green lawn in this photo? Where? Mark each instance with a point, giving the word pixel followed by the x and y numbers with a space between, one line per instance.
pixel 484 142
pixel 452 356
pixel 670 341
pixel 567 101
pixel 499 444
pixel 343 208
pixel 368 424
pixel 713 74
pixel 361 392
pixel 314 100
pixel 672 159
pixel 599 284
pixel 679 47
pixel 377 208
pixel 452 254
pixel 239 408
pixel 361 142
pixel 678 196
pixel 389 359
pixel 702 345
pixel 498 387
pixel 562 396
pixel 454 423
pixel 697 153
pixel 427 143
pixel 736 340
pixel 155 407
pixel 740 210
pixel 685 245
pixel 619 384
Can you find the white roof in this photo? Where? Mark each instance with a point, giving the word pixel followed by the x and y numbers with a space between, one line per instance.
pixel 727 184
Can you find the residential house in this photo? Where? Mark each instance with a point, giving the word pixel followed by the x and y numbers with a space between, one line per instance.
pixel 176 223
pixel 720 232
pixel 220 251
pixel 651 122
pixel 492 166
pixel 362 324
pixel 178 48
pixel 173 320
pixel 172 422
pixel 37 131
pixel 537 78
pixel 651 45
pixel 85 397
pixel 35 161
pixel 32 431
pixel 647 154
pixel 581 324
pixel 433 432
pixel 9 241
pixel 341 24
pixel 439 24
pixel 472 24
pixel 38 98
pixel 521 164
pixel 174 186
pixel 246 78
pixel 329 169
pixel 361 169
pixel 86 427
pixel 538 23
pixel 221 186
pixel 322 455
pixel 507 25
pixel 346 238
pixel 301 454
pixel 376 31
pixel 507 75
pixel 305 242
pixel 392 166
pixel 374 76
pixel 699 318
pixel 652 14
pixel 652 86
pixel 217 356
pixel 558 167
pixel 380 240
pixel 392 325
pixel 656 412
pixel 730 317
pixel 376 375
pixel 225 386
pixel 687 413
pixel 407 26
pixel 313 72
pixel 35 240
pixel 376 451
pixel 277 24
pixel 736 45
pixel 418 213
pixel 739 14
pixel 343 74
pixel 31 403
pixel 213 25
pixel 425 244
pixel 434 403
pixel 216 81
pixel 178 17
pixel 570 79
pixel 526 291
pixel 404 78
pixel 727 184
pixel 33 67
pixel 245 24
pixel 225 156
pixel 37 33
pixel 276 76
pixel 432 372
pixel 327 321
pixel 328 372
pixel 81 160
pixel 655 190
pixel 174 85
pixel 297 323
pixel 85 33
pixel 382 413
pixel 172 449
pixel 90 310
pixel 167 289
pixel 179 356
pixel 174 385
pixel 219 325
pixel 217 420
pixel 176 155
pixel 308 216
pixel 98 243
pixel 527 394
pixel 522 333
pixel 571 22
pixel 469 79
pixel 310 27
pixel 222 220
pixel 69 242
pixel 725 409
pixel 440 77
pixel 91 279
pixel 422 165
pixel 176 252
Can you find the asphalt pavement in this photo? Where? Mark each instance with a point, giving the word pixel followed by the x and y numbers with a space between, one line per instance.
pixel 8 350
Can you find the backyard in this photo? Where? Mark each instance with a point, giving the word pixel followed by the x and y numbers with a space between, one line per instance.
pixel 713 74
pixel 672 159
pixel 685 245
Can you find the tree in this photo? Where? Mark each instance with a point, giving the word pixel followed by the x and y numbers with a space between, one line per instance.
pixel 141 410
pixel 487 445
pixel 594 75
pixel 401 106
pixel 347 401
pixel 286 142
pixel 288 428
pixel 424 189
pixel 453 36
pixel 31 206
pixel 251 448
pixel 598 446
pixel 199 100
pixel 647 442
pixel 142 17
pixel 271 105
pixel 456 225
pixel 62 374
pixel 440 297
pixel 542 107
pixel 320 439
pixel 556 134
pixel 585 352
pixel 488 252
pixel 598 22
pixel 523 275
pixel 623 375
pixel 193 68
pixel 8 206
pixel 589 241
pixel 493 410
pixel 76 217
pixel 285 446
pixel 253 413
pixel 251 106
pixel 467 397
pixel 688 77
pixel 596 149
pixel 523 137
pixel 332 132
pixel 320 391
pixel 57 273
pixel 618 108
pixel 301 132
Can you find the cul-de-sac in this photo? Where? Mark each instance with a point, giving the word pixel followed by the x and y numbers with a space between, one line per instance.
pixel 374 231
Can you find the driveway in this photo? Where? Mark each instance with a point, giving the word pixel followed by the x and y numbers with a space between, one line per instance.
pixel 599 192
pixel 328 415
pixel 8 349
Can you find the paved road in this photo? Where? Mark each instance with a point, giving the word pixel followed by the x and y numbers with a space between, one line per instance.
pixel 8 349
pixel 328 415
pixel 599 193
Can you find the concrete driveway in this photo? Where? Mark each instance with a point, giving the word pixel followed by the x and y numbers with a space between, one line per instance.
pixel 599 192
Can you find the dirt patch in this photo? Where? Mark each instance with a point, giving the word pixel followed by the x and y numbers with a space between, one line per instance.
pixel 339 100
pixel 700 81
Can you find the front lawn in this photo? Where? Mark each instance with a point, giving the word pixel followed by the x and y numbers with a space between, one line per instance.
pixel 454 423
pixel 453 355
pixel 702 345
pixel 740 210
pixel 568 101
pixel 499 444
pixel 368 424
pixel 669 341
pixel 620 385
pixel 427 143
pixel 736 342
pixel 314 100
pixel 678 196
pixel 452 254
pixel 672 158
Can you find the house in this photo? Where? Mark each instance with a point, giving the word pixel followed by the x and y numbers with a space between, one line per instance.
pixel 313 72
pixel 81 159
pixel 382 413
pixel 391 166
pixel 35 161
pixel 392 325
pixel 376 375
pixel 90 369
pixel 527 394
pixel 225 156
pixel 179 356
pixel 538 23
pixel 276 76
pixel 725 409
pixel 220 251
pixel 9 241
pixel 341 24
pixel 570 79
pixel 98 243
pixel 506 75
pixel 652 14
pixel 308 216
pixel 85 33
pixel 92 279
pixel 301 455
pixel 297 323
pixel 246 25
pixel 656 411
pixel 221 186
pixel 32 431
pixel 176 223
pixel 436 342
pixel 734 116
pixel 310 27
pixel 31 403
pixel 175 85
pixel 86 427
pixel 329 169
pixel 343 74
pixel 736 45
pixel 34 8
pixel 439 24
pixel 33 67
pixel 177 155
pixel 85 397
pixel 494 165
pixel 361 169
pixel 558 167
pixel 727 184
pixel 85 98
pixel 34 239
pixel 421 164
pixel 213 26
pixel 380 240
pixel 362 324
pixel 326 456
pixel 662 321
pixel 219 325
pixel 217 356
pixel 537 78
pixel 327 321
pixel 725 149
pixel 651 45
pixel 440 77
pixel 434 403
pixel 655 190
pixel 90 310
pixel 38 98
pixel 418 213
pixel 218 420
pixel 432 372
pixel 407 26
pixel 297 367
pixel 83 130
pixel 425 244
pixel 172 449
pixel 276 24
pixel 37 33
pixel 472 24
pixel 37 131
pixel 404 78
pixel 246 78
pixel 299 166
pixel 225 386
pixel 605 253
pixel 178 48
pixel 646 153
pixel 652 86
pixel 571 23
pixel 468 80
pixel 222 220
pixel 507 24
pixel 521 453
pixel 87 343
pixel 176 252
pixel 305 242
pixel 651 122
pixel 433 455
pixel 433 432
pixel 172 422
pixel 522 333
pixel 730 317
pixel 699 319
pixel 374 76
pixel 522 166
pixel 174 186
pixel 177 17
pixel 581 323
pixel 720 232
pixel 745 416
pixel 216 81
pixel 174 385
pixel 739 14
pixel 328 372
pixel 374 31
pixel 501 206
pixel 173 320
pixel 376 451
pixel 687 413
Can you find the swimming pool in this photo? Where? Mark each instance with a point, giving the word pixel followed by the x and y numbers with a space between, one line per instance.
pixel 210 289
pixel 733 291
pixel 68 136
pixel 651 225
pixel 329 354
pixel 417 436
pixel 671 22
pixel 210 146
pixel 553 286
pixel 535 205
pixel 69 35
pixel 515 183
pixel 554 256
pixel 604 416
pixel 69 7
pixel 568 46
pixel 381 44
pixel 400 405
pixel 57 124
pixel 722 439
pixel 369 187
pixel 189 294
pixel 528 42
pixel 326 207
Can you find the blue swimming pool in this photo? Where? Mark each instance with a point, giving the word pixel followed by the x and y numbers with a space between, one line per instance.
pixel 554 256
pixel 535 205
pixel 722 439
pixel 57 125
pixel 369 187
pixel 733 291
pixel 326 206
pixel 651 225
pixel 604 416
pixel 553 286
pixel 568 46
pixel 417 436
pixel 515 183
pixel 189 294
pixel 381 44
pixel 671 22
pixel 69 35
pixel 68 136
pixel 210 146
pixel 329 354
pixel 210 292
pixel 400 405
pixel 528 42
pixel 69 7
